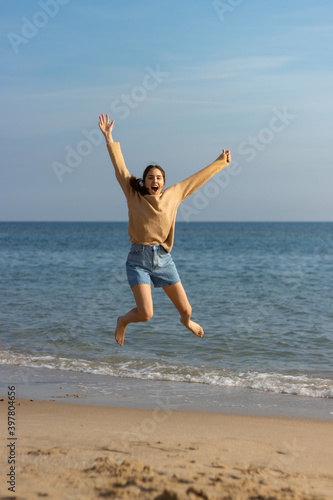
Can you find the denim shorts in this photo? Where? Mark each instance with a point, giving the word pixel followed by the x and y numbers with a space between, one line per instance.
pixel 148 264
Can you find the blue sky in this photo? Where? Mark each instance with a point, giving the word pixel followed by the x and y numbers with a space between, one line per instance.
pixel 182 79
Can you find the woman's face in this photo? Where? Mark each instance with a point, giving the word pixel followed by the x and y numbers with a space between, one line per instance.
pixel 154 181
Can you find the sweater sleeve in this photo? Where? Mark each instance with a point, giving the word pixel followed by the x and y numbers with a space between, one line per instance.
pixel 122 174
pixel 188 186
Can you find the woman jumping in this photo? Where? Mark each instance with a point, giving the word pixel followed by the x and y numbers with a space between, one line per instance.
pixel 151 227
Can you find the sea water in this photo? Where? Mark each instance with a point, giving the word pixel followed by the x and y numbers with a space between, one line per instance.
pixel 261 291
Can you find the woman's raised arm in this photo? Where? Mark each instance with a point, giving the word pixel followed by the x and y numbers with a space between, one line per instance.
pixel 188 186
pixel 122 174
pixel 106 127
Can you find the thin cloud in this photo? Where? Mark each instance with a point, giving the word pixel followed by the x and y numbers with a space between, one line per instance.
pixel 101 12
pixel 227 68
pixel 231 107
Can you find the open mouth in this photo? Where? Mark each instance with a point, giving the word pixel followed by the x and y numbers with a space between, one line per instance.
pixel 154 189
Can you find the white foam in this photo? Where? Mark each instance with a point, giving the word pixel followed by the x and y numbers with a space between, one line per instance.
pixel 299 384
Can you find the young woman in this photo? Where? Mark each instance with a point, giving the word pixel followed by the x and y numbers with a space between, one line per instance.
pixel 152 214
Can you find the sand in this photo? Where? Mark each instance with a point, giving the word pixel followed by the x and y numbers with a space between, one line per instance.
pixel 69 451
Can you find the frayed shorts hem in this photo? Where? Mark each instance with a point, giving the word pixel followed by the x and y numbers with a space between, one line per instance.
pixel 131 284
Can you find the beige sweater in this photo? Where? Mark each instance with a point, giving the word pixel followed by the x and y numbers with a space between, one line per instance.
pixel 152 218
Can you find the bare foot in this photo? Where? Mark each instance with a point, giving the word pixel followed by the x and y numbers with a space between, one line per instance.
pixel 120 331
pixel 193 327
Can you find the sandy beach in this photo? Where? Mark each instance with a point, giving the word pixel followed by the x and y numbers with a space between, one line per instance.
pixel 69 451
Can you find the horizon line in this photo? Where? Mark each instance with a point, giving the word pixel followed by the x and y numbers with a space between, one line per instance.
pixel 177 222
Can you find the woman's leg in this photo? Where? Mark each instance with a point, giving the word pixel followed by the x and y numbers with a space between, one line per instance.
pixel 177 295
pixel 142 312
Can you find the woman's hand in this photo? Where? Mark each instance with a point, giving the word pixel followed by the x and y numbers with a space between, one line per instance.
pixel 227 154
pixel 106 127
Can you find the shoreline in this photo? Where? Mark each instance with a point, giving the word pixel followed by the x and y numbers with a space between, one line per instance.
pixel 42 384
pixel 89 451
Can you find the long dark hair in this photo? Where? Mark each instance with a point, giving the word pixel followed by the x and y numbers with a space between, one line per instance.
pixel 139 184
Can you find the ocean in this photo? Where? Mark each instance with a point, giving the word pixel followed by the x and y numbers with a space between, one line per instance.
pixel 261 291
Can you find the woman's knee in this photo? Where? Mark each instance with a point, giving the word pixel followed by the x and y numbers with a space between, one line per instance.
pixel 144 303
pixel 146 314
